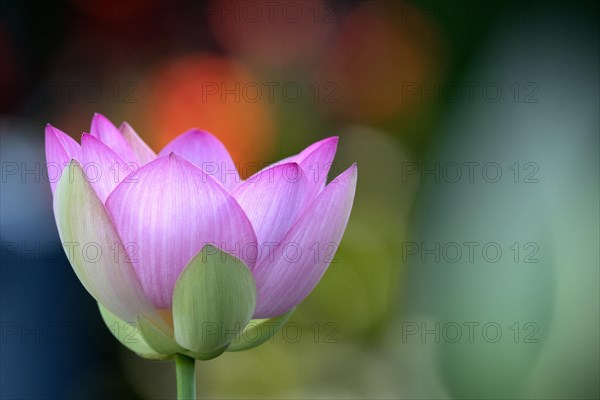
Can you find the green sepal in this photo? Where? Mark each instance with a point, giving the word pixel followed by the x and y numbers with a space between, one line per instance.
pixel 130 336
pixel 159 336
pixel 206 356
pixel 213 300
pixel 258 331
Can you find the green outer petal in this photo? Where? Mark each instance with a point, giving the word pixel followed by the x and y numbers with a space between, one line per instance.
pixel 128 333
pixel 158 336
pixel 83 223
pixel 214 298
pixel 259 331
pixel 205 356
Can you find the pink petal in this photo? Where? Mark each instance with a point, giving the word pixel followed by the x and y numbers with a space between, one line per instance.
pixel 108 134
pixel 273 200
pixel 60 149
pixel 316 160
pixel 103 167
pixel 168 214
pixel 140 149
pixel 207 152
pixel 295 267
pixel 333 140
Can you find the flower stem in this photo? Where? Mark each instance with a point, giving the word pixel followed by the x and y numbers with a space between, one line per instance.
pixel 186 377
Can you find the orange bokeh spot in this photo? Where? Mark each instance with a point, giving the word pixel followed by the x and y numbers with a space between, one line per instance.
pixel 215 94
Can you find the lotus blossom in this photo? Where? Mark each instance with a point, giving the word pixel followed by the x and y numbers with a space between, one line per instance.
pixel 179 245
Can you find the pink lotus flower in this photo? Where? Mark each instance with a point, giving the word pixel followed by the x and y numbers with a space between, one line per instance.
pixel 157 240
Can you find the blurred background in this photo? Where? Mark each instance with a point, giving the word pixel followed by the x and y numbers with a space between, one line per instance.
pixel 470 265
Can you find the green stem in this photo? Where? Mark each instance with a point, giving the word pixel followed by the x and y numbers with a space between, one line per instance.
pixel 186 377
